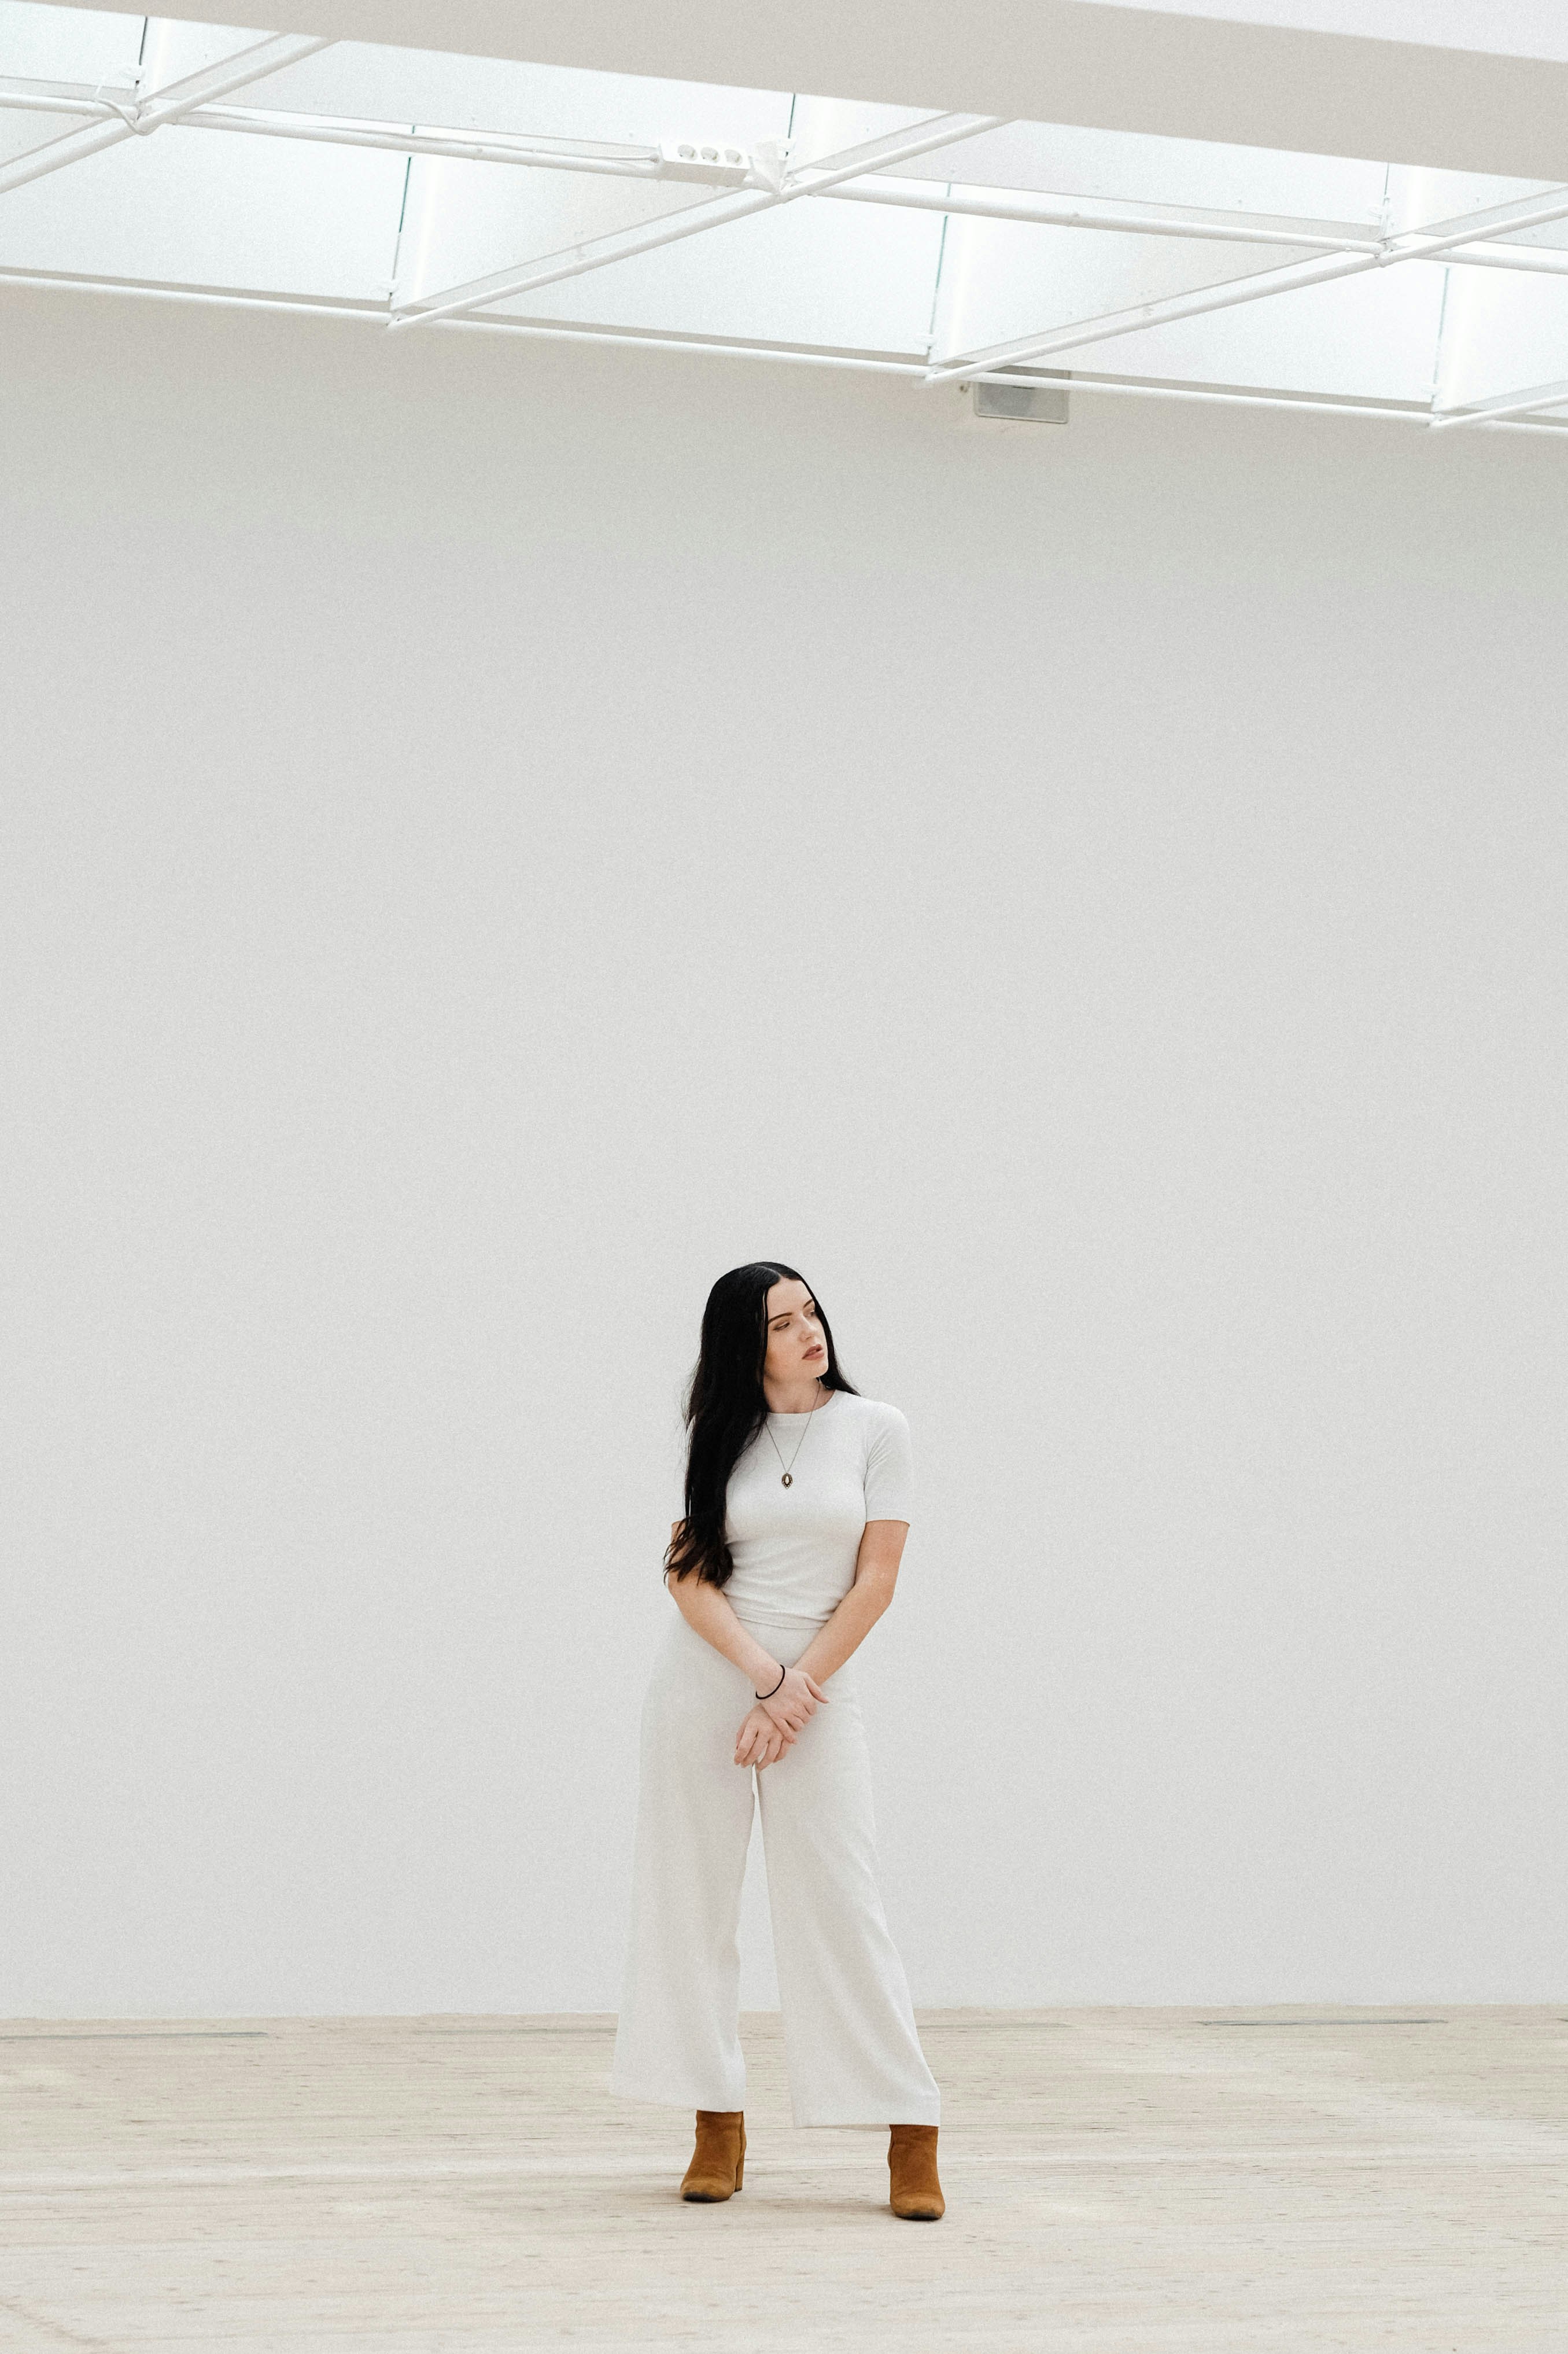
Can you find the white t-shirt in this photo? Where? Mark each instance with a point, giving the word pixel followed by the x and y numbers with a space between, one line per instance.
pixel 794 1548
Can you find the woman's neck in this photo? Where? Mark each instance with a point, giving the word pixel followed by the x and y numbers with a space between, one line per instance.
pixel 795 1398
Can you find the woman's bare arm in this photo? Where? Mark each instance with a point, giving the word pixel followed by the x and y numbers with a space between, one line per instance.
pixel 875 1574
pixel 707 1612
pixel 705 1609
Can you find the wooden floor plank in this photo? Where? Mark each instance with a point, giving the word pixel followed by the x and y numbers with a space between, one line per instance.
pixel 1117 2182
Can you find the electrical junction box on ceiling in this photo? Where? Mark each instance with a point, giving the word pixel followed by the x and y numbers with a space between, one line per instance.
pixel 704 160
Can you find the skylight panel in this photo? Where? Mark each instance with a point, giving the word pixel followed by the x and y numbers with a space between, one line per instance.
pixel 251 215
pixel 418 191
pixel 1131 167
pixel 426 86
pixel 856 283
pixel 75 46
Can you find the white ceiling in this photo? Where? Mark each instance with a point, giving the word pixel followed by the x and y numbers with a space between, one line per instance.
pixel 1524 28
pixel 427 191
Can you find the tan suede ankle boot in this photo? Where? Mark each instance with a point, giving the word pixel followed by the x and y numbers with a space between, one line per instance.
pixel 912 2166
pixel 718 2160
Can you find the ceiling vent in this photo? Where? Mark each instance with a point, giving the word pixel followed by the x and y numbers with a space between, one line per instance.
pixel 1019 404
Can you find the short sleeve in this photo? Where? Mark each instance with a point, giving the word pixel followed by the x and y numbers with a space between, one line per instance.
pixel 889 1467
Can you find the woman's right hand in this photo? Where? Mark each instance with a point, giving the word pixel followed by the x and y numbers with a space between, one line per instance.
pixel 795 1701
pixel 759 1741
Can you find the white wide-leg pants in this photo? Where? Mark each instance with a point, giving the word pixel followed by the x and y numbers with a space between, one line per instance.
pixel 850 2048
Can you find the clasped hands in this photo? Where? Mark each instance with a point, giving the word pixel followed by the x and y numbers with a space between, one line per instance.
pixel 775 1723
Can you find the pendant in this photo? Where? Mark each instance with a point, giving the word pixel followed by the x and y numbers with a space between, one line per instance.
pixel 788 1480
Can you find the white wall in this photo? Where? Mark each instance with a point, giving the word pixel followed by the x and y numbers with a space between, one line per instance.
pixel 495 834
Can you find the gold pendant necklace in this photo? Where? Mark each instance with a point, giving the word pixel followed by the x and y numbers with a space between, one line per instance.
pixel 789 1478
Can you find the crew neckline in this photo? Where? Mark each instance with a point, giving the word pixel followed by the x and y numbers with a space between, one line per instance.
pixel 809 1410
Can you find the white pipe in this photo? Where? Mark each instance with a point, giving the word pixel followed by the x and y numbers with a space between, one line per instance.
pixel 70 147
pixel 1252 288
pixel 1406 416
pixel 1551 257
pixel 62 281
pixel 1506 404
pixel 375 315
pixel 139 118
pixel 635 163
pixel 894 147
pixel 28 102
pixel 1530 212
pixel 346 130
pixel 1065 212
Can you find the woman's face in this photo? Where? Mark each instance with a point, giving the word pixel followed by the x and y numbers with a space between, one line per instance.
pixel 796 1346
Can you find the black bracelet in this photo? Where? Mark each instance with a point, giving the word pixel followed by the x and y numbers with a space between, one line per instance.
pixel 768 1695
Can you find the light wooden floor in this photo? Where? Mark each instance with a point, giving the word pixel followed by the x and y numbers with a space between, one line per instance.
pixel 1134 2181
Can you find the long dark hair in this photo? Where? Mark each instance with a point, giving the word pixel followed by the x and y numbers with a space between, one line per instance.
pixel 725 1408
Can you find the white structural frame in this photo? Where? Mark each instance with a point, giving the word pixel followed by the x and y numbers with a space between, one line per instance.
pixel 857 174
pixel 1503 407
pixel 692 220
pixel 138 118
pixel 1439 241
pixel 1469 249
pixel 374 314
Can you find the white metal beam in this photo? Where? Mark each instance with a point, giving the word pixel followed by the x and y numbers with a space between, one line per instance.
pixel 1506 404
pixel 371 315
pixel 618 158
pixel 810 179
pixel 575 261
pixel 1510 417
pixel 1104 213
pixel 1329 249
pixel 1254 287
pixel 1173 220
pixel 1440 240
pixel 626 161
pixel 138 118
pixel 613 159
pixel 1496 220
pixel 1552 259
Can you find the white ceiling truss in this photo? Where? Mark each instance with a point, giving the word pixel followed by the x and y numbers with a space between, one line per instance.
pixel 415 188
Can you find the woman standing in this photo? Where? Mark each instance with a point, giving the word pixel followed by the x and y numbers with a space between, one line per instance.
pixel 797 1511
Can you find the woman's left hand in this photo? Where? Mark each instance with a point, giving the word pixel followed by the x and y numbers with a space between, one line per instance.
pixel 759 1741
